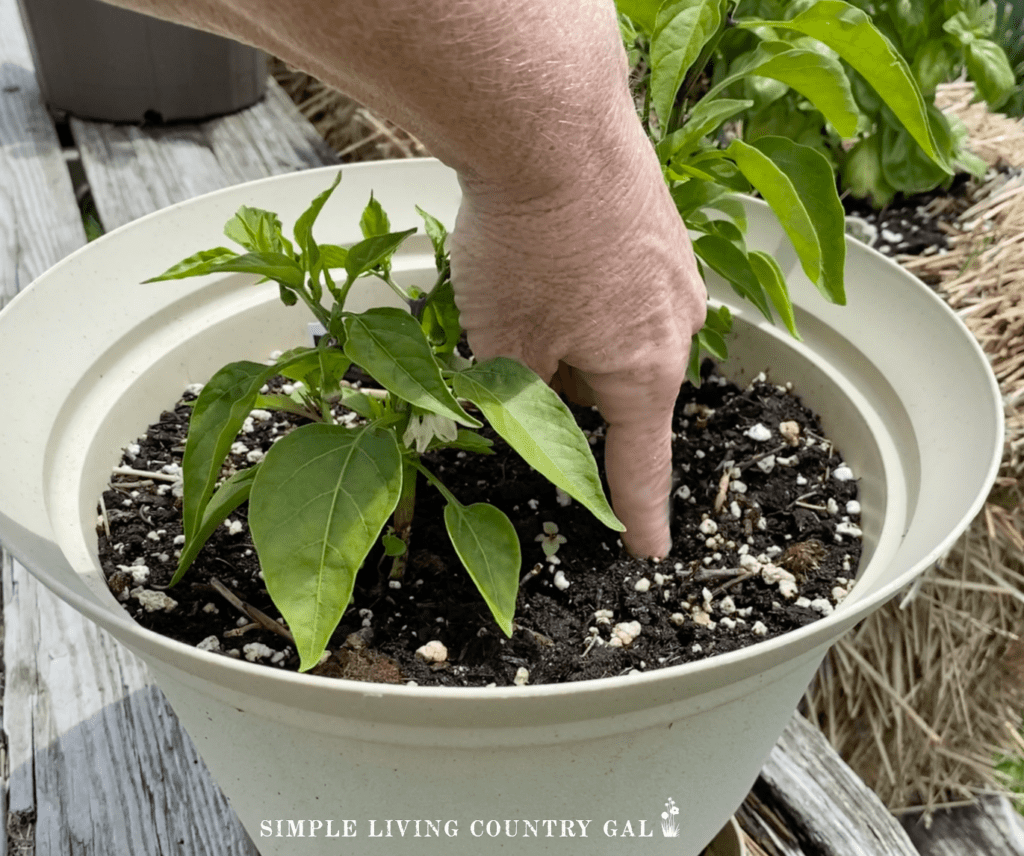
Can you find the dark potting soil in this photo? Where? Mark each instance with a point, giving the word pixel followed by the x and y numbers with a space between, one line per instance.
pixel 765 541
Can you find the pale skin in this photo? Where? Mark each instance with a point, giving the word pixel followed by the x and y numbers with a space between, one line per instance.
pixel 567 253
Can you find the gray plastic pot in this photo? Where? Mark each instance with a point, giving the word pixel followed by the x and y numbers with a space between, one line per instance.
pixel 902 388
pixel 97 61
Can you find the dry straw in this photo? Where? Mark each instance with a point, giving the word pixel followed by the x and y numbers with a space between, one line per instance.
pixel 922 696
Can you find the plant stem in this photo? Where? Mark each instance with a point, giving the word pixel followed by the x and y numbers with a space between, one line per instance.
pixel 403 515
pixel 436 482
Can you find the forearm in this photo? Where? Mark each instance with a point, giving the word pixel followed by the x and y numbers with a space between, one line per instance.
pixel 520 94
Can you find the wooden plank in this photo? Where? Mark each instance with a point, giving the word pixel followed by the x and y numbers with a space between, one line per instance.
pixel 39 222
pixel 135 170
pixel 823 803
pixel 991 827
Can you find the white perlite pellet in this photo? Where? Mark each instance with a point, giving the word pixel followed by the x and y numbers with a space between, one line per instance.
pixel 641 585
pixel 759 433
pixel 759 629
pixel 604 616
pixel 790 432
pixel 842 473
pixel 433 652
pixel 821 605
pixel 853 507
pixel 210 643
pixel 234 526
pixel 708 526
pixel 522 677
pixel 766 464
pixel 847 528
pixel 153 601
pixel 257 651
pixel 624 633
pixel 561 581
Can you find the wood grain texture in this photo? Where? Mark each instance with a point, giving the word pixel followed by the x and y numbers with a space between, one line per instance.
pixel 39 221
pixel 135 170
pixel 823 803
pixel 991 827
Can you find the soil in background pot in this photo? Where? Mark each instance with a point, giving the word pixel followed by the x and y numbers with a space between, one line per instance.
pixel 766 540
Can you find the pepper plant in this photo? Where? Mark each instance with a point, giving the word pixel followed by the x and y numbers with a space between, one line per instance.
pixel 685 100
pixel 324 493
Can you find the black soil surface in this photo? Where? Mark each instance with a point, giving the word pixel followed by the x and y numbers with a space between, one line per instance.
pixel 779 551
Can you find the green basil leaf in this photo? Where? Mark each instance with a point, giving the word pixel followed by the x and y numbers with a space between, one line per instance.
pixel 320 500
pixel 862 175
pixel 773 281
pixel 389 344
pixel 374 221
pixel 534 421
pixel 681 30
pixel 732 264
pixel 231 494
pixel 488 547
pixel 850 33
pixel 990 70
pixel 369 253
pixel 814 182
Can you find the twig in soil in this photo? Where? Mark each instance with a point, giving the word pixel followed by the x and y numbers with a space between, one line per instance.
pixel 723 491
pixel 735 581
pixel 751 461
pixel 143 474
pixel 530 574
pixel 106 520
pixel 251 612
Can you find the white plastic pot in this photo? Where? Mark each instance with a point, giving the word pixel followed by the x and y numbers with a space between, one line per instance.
pixel 902 387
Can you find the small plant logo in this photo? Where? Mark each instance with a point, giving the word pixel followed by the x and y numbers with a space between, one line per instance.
pixel 669 826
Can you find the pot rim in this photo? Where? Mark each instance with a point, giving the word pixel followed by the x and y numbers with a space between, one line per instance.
pixel 781 648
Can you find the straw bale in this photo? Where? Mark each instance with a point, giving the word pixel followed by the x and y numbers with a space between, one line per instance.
pixel 923 696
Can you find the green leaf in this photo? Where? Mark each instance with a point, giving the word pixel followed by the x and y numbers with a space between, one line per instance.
pixel 257 230
pixel 732 264
pixel 850 33
pixel 374 221
pixel 319 368
pixel 284 403
pixel 774 166
pixel 643 13
pixel 488 547
pixel 773 281
pixel 393 545
pixel 437 233
pixel 815 185
pixel 440 319
pixel 705 117
pixel 221 408
pixel 231 494
pixel 990 70
pixel 369 253
pixel 365 405
pixel 534 421
pixel 713 342
pixel 862 175
pixel 713 166
pixel 320 500
pixel 817 76
pixel 303 230
pixel 466 441
pixel 333 256
pixel 681 30
pixel 719 320
pixel 391 347
pixel 904 166
pixel 695 194
pixel 199 264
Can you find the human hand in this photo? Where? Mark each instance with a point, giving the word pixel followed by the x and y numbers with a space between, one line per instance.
pixel 595 287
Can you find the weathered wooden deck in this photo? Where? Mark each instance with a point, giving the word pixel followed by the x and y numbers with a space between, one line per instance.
pixel 92 759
